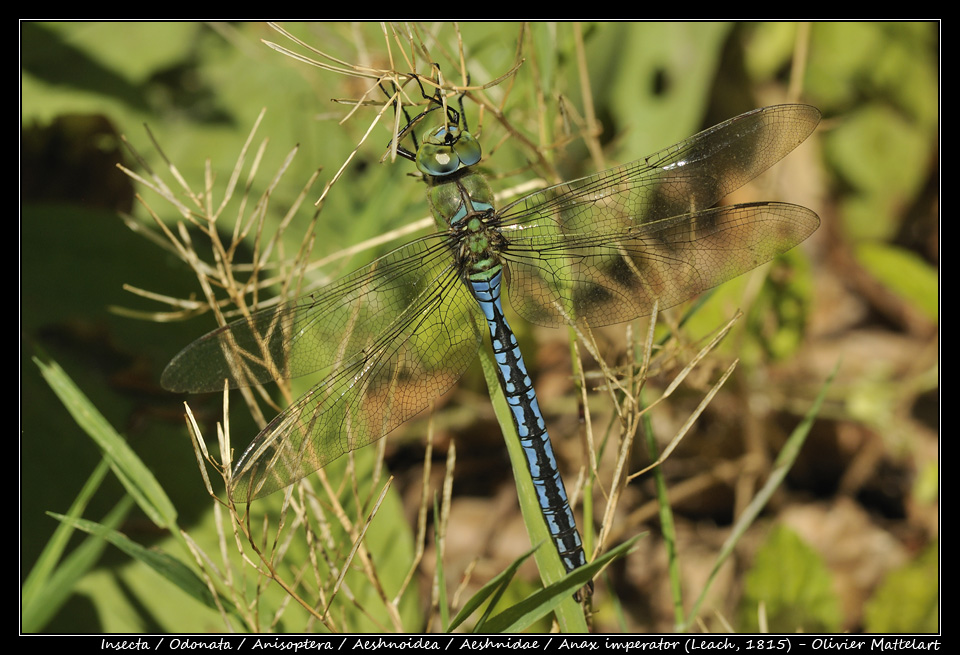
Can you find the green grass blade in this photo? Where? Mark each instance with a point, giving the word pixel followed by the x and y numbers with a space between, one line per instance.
pixel 47 588
pixel 167 566
pixel 552 598
pixel 667 526
pixel 495 589
pixel 46 563
pixel 569 612
pixel 126 465
pixel 785 459
pixel 441 578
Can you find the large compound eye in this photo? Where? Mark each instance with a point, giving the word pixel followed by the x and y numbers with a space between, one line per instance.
pixel 445 150
pixel 468 149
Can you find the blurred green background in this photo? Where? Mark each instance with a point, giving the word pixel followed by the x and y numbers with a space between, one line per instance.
pixel 862 506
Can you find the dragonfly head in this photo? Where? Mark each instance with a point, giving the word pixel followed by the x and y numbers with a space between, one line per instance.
pixel 446 149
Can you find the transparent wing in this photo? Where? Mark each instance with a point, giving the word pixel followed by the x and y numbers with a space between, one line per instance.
pixel 604 247
pixel 617 277
pixel 388 382
pixel 316 332
pixel 390 337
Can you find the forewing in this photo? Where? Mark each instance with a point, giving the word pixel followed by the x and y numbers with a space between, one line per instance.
pixel 394 376
pixel 622 233
pixel 612 278
pixel 317 332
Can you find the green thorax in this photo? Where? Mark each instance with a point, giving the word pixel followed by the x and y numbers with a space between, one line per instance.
pixel 461 199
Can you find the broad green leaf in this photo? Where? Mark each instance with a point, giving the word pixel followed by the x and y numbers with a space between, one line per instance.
pixel 904 273
pixel 908 601
pixel 795 586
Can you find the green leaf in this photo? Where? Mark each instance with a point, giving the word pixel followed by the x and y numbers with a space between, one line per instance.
pixel 884 158
pixel 655 77
pixel 908 599
pixel 795 586
pixel 904 273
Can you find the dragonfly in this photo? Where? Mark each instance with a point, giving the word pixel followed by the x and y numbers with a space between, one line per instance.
pixel 393 335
